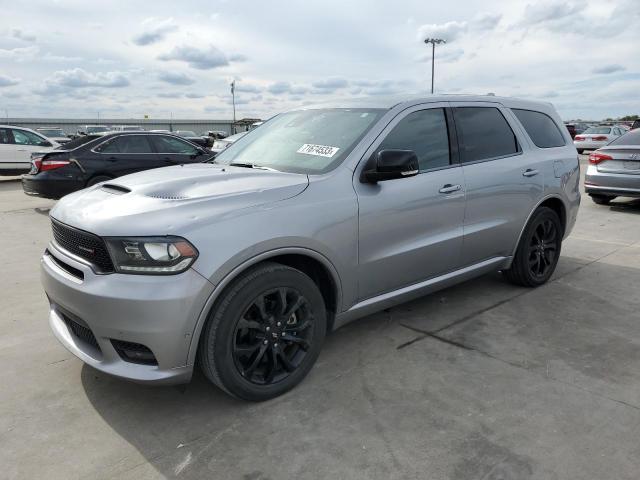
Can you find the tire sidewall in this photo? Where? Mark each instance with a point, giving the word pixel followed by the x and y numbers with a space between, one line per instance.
pixel 219 342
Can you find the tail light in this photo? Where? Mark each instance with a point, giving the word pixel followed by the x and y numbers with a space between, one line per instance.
pixel 595 158
pixel 579 137
pixel 600 138
pixel 41 165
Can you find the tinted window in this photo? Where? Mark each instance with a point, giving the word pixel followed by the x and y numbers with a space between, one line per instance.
pixel 541 128
pixel 172 145
pixel 424 132
pixel 4 136
pixel 22 137
pixel 127 144
pixel 483 133
pixel 629 138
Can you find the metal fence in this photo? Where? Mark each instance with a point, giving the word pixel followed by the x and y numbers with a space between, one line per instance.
pixel 72 125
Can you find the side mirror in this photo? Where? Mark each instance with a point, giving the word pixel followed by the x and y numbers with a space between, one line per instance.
pixel 390 165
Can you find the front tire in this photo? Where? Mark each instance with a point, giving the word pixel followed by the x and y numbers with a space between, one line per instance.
pixel 538 251
pixel 264 333
pixel 580 151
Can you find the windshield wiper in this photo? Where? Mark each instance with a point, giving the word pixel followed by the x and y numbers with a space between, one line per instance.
pixel 252 165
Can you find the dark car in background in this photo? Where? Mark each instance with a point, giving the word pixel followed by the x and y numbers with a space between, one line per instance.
pixel 54 133
pixel 92 159
pixel 572 129
pixel 193 137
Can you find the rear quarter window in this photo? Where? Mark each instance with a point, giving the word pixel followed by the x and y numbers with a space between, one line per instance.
pixel 542 130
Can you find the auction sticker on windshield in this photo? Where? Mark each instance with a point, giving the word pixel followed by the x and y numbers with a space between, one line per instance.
pixel 318 150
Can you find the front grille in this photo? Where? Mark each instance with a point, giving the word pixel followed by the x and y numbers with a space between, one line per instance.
pixel 83 332
pixel 83 244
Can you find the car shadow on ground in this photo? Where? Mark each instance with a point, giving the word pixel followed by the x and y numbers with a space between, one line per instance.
pixel 164 423
pixel 627 205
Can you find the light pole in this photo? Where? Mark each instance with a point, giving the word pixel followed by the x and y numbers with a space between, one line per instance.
pixel 233 100
pixel 433 42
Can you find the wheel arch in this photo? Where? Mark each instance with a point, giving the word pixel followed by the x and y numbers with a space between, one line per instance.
pixel 312 263
pixel 555 203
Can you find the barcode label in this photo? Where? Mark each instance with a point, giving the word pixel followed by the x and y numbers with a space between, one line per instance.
pixel 318 150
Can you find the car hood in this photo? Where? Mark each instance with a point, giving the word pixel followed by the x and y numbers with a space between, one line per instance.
pixel 171 200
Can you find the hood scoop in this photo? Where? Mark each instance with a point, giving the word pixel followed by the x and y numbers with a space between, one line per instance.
pixel 115 189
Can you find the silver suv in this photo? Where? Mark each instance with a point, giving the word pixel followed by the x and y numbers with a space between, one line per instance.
pixel 320 216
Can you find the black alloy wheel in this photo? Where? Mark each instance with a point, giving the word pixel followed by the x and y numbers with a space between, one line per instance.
pixel 264 333
pixel 538 252
pixel 543 247
pixel 273 336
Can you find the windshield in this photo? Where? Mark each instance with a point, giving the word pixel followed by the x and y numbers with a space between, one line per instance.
pixel 51 132
pixel 131 129
pixel 303 141
pixel 598 130
pixel 97 129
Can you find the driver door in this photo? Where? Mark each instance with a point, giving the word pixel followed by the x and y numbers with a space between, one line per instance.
pixel 411 229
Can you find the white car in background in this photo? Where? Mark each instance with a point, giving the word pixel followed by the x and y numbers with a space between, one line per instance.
pixel 595 137
pixel 224 143
pixel 16 146
pixel 127 128
pixel 54 133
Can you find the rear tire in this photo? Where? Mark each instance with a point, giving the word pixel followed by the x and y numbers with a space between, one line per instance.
pixel 97 179
pixel 602 199
pixel 264 333
pixel 538 251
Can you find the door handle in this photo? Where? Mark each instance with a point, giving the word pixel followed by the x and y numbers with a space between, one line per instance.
pixel 22 150
pixel 529 172
pixel 112 159
pixel 448 188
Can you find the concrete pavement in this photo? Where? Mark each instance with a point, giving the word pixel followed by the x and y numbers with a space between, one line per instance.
pixel 480 381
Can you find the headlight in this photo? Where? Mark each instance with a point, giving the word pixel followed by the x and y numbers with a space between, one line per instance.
pixel 151 255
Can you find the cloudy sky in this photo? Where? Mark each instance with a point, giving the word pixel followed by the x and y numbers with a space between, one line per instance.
pixel 126 59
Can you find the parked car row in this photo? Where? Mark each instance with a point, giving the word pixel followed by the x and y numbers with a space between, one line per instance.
pixel 96 158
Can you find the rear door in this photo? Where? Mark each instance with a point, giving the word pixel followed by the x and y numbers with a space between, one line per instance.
pixel 175 151
pixel 410 229
pixel 25 143
pixel 7 150
pixel 126 154
pixel 503 182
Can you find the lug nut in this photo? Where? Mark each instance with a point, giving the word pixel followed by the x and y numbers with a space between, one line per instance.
pixel 268 329
pixel 279 324
pixel 275 345
pixel 265 342
pixel 283 334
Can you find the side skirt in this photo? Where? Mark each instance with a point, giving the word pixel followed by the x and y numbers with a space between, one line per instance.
pixel 402 295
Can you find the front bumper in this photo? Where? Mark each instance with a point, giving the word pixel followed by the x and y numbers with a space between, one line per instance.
pixel 157 312
pixel 613 184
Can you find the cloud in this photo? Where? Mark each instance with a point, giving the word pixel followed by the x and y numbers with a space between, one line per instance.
pixel 22 35
pixel 449 31
pixel 155 30
pixel 6 81
pixel 169 95
pixel 554 11
pixel 279 88
pixel 66 80
pixel 453 30
pixel 606 69
pixel 194 95
pixel 20 54
pixel 237 57
pixel 247 87
pixel 330 84
pixel 201 59
pixel 176 78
